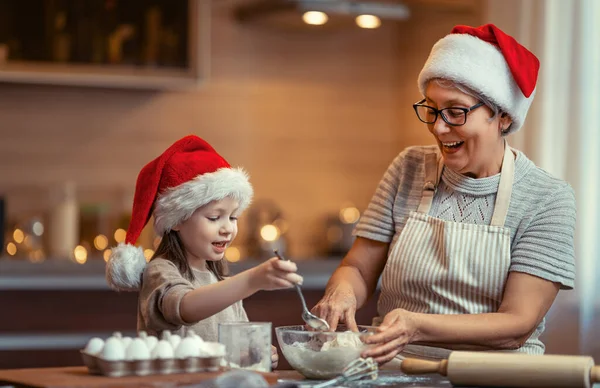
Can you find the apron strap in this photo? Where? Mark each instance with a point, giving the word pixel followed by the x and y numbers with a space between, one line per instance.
pixel 433 172
pixel 507 177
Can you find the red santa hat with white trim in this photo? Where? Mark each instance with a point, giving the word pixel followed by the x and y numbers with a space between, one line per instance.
pixel 187 176
pixel 490 62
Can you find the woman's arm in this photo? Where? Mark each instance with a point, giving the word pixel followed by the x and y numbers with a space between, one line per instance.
pixel 353 282
pixel 526 301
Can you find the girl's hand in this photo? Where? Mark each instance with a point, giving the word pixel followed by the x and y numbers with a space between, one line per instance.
pixel 398 328
pixel 275 274
pixel 338 306
pixel 274 357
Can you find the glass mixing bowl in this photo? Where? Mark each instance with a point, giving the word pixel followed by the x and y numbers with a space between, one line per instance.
pixel 321 355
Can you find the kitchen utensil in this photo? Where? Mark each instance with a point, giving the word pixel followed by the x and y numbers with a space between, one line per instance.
pixel 358 369
pixel 509 370
pixel 321 354
pixel 311 319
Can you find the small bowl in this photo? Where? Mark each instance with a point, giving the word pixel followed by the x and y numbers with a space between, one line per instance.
pixel 305 351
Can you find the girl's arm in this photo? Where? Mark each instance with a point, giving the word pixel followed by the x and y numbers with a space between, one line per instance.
pixel 208 300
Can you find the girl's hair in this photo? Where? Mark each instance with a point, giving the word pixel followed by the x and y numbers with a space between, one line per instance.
pixel 448 84
pixel 171 248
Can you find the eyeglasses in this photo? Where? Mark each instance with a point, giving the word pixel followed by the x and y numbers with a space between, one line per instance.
pixel 452 116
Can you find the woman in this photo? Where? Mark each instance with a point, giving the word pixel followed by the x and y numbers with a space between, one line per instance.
pixel 472 241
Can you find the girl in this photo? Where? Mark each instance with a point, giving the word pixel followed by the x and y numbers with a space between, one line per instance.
pixel 196 198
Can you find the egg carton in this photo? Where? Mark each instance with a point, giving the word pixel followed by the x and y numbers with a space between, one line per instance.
pixel 100 366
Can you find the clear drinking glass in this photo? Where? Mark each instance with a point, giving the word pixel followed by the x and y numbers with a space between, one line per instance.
pixel 247 345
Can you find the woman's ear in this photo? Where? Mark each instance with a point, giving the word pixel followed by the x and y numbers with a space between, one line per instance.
pixel 176 228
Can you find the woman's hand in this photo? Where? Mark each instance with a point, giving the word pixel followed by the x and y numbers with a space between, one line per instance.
pixel 399 327
pixel 338 306
pixel 275 274
pixel 274 357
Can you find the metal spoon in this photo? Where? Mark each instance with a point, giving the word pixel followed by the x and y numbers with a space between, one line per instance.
pixel 311 319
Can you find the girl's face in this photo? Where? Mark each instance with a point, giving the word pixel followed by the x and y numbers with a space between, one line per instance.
pixel 210 230
pixel 475 148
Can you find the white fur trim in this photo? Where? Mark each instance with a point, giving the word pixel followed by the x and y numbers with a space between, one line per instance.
pixel 179 203
pixel 125 267
pixel 481 66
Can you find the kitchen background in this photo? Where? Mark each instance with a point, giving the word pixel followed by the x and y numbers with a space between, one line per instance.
pixel 314 113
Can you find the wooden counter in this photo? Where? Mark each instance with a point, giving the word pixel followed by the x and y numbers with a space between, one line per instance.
pixel 71 377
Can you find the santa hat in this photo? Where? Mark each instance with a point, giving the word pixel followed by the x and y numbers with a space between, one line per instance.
pixel 490 62
pixel 188 175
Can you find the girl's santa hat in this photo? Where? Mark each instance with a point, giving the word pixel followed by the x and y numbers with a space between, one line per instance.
pixel 188 175
pixel 489 62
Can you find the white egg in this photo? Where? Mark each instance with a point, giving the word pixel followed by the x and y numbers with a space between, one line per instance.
pixel 94 346
pixel 165 335
pixel 150 340
pixel 187 348
pixel 137 350
pixel 174 339
pixel 113 350
pixel 162 350
pixel 211 349
pixel 126 341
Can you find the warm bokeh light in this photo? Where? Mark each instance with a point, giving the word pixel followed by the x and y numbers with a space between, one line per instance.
pixel 11 249
pixel 106 254
pixel 269 232
pixel 38 228
pixel 18 236
pixel 233 254
pixel 80 254
pixel 368 21
pixel 100 242
pixel 148 254
pixel 349 215
pixel 315 18
pixel 120 235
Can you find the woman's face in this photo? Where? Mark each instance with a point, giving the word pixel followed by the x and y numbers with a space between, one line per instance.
pixel 475 148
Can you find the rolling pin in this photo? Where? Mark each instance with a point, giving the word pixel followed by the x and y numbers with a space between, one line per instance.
pixel 509 370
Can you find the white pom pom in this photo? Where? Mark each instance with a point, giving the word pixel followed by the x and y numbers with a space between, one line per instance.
pixel 125 267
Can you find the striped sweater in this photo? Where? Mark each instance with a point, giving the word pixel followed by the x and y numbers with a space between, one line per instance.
pixel 541 215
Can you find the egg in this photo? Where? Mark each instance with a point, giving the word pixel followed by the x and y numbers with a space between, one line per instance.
pixel 162 350
pixel 113 349
pixel 150 340
pixel 126 341
pixel 187 348
pixel 137 350
pixel 174 339
pixel 211 349
pixel 191 334
pixel 94 346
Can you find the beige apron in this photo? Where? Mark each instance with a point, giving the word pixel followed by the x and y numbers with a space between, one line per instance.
pixel 443 267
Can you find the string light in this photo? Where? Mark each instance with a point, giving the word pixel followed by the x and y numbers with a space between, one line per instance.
pixel 315 18
pixel 368 21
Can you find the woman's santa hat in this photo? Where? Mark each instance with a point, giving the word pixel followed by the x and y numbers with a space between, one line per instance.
pixel 490 62
pixel 187 176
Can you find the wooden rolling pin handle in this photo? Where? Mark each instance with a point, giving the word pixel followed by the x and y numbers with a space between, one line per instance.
pixel 595 374
pixel 412 366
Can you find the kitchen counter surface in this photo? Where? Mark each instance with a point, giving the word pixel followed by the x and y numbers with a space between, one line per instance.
pixel 65 377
